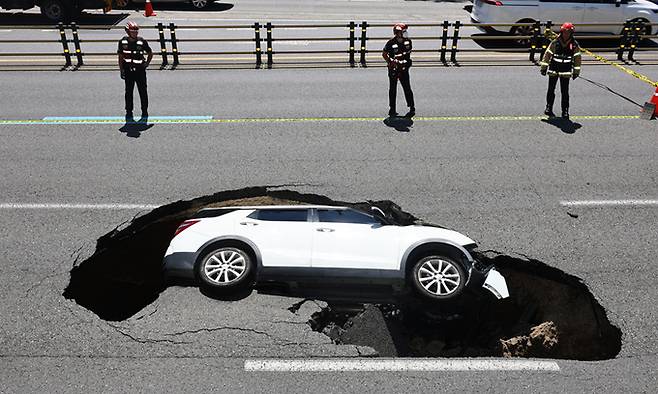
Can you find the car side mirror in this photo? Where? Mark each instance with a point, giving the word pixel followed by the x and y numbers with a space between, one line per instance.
pixel 617 3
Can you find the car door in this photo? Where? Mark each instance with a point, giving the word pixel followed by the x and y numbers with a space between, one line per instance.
pixel 346 238
pixel 603 11
pixel 560 11
pixel 283 236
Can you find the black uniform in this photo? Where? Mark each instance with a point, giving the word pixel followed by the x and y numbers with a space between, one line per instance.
pixel 134 70
pixel 401 51
pixel 561 61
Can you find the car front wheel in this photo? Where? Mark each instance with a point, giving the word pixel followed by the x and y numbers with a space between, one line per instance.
pixel 438 277
pixel 225 268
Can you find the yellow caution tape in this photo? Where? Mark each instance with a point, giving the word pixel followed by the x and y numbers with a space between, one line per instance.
pixel 551 34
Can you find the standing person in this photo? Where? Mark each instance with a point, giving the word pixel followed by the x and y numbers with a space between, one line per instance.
pixel 561 61
pixel 132 65
pixel 397 53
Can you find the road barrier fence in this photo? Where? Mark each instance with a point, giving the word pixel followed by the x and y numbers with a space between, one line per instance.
pixel 442 44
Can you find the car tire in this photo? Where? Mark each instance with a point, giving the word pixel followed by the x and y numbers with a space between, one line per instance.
pixel 225 269
pixel 56 10
pixel 122 4
pixel 523 31
pixel 438 277
pixel 200 4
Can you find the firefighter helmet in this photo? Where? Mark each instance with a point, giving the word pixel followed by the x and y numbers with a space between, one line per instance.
pixel 567 26
pixel 399 27
pixel 132 26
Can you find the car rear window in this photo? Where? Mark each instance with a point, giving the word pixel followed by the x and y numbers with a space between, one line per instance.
pixel 344 216
pixel 281 215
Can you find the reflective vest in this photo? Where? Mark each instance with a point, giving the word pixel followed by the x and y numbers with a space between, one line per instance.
pixel 562 60
pixel 133 52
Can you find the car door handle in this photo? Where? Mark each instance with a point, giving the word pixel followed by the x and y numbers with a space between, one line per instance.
pixel 325 230
pixel 249 224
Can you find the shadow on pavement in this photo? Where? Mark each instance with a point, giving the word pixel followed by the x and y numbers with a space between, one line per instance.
pixel 85 19
pixel 181 7
pixel 135 129
pixel 565 125
pixel 399 123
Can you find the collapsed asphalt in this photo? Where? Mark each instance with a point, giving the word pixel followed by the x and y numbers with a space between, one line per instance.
pixel 549 313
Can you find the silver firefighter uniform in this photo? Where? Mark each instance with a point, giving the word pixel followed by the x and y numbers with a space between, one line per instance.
pixel 561 62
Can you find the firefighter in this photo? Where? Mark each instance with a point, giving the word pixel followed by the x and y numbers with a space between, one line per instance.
pixel 561 61
pixel 132 65
pixel 397 53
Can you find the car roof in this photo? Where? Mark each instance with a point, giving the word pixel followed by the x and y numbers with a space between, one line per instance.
pixel 279 207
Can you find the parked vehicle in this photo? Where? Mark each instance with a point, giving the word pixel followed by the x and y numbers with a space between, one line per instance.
pixel 57 10
pixel 199 4
pixel 339 251
pixel 577 12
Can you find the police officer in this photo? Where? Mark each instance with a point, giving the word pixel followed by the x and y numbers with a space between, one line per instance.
pixel 561 61
pixel 397 53
pixel 132 65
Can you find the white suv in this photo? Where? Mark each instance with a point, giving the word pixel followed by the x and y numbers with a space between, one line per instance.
pixel 326 248
pixel 560 11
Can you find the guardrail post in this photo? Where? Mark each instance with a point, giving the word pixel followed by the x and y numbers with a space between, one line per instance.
pixel 65 44
pixel 623 40
pixel 545 40
pixel 444 41
pixel 535 40
pixel 636 28
pixel 364 39
pixel 163 45
pixel 352 42
pixel 76 43
pixel 270 50
pixel 259 59
pixel 455 39
pixel 174 44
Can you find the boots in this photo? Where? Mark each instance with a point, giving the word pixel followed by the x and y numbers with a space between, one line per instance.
pixel 565 114
pixel 411 113
pixel 549 111
pixel 392 113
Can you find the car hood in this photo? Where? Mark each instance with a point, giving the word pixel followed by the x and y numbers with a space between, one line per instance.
pixel 422 231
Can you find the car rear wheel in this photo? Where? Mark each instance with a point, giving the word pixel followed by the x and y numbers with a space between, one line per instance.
pixel 523 31
pixel 56 10
pixel 438 277
pixel 200 4
pixel 225 268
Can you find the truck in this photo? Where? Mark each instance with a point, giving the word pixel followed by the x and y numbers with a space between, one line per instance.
pixel 58 10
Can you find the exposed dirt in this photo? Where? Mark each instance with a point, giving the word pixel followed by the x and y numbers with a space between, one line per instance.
pixel 549 313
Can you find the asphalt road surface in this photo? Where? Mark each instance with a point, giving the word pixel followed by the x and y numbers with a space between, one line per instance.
pixel 478 159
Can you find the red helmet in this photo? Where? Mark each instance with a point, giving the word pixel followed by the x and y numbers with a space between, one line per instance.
pixel 567 26
pixel 399 27
pixel 132 26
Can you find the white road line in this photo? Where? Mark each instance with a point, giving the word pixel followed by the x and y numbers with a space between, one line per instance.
pixel 599 203
pixel 76 206
pixel 397 365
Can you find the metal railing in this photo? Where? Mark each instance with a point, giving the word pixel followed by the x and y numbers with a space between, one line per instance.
pixel 350 46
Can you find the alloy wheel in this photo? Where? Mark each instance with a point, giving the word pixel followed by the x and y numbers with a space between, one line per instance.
pixel 439 277
pixel 225 266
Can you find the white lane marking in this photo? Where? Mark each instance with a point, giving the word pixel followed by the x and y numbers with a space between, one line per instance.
pixel 599 203
pixel 397 365
pixel 75 206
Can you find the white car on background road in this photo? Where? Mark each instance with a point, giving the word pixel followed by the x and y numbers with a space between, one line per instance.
pixel 559 11
pixel 332 250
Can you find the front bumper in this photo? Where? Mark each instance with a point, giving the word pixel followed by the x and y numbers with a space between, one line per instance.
pixel 488 278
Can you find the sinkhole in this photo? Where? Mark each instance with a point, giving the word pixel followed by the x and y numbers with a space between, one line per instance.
pixel 549 313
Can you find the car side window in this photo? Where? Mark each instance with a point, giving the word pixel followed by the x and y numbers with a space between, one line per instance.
pixel 345 216
pixel 281 215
